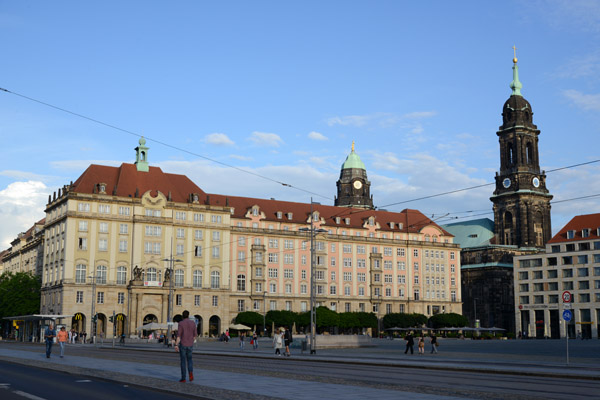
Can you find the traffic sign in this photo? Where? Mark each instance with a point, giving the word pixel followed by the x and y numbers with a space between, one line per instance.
pixel 566 296
pixel 567 315
pixel 566 306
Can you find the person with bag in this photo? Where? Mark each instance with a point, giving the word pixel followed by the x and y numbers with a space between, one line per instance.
pixel 434 343
pixel 410 343
pixel 254 341
pixel 63 338
pixel 278 342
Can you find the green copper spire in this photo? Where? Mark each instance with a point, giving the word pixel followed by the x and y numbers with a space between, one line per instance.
pixel 141 156
pixel 353 161
pixel 515 85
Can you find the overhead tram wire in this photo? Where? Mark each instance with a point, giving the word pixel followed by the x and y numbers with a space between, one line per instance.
pixel 164 144
pixel 271 179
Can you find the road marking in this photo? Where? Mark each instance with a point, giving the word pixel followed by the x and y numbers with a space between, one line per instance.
pixel 83 381
pixel 28 395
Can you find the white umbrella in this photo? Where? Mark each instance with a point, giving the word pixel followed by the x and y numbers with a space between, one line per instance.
pixel 155 326
pixel 240 327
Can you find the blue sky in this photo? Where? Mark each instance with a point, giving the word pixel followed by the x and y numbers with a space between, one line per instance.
pixel 281 89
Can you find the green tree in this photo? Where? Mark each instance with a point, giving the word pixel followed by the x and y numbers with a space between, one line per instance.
pixel 249 318
pixel 19 294
pixel 448 320
pixel 282 318
pixel 403 320
pixel 327 318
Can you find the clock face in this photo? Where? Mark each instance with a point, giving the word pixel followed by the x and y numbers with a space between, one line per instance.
pixel 357 184
pixel 506 183
pixel 536 182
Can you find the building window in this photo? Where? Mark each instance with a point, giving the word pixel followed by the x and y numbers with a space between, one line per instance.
pixel 241 306
pixel 102 245
pixel 273 305
pixel 121 298
pixel 303 274
pixel 273 288
pixel 101 274
pixel 151 275
pixel 179 278
pixel 198 251
pixel 103 227
pixel 123 246
pixel 197 300
pixel 303 288
pixel 83 207
pixel 100 298
pixel 80 273
pixel 416 293
pixel 79 297
pixel 258 287
pixel 241 283
pixel 179 250
pixel 216 251
pixel 121 275
pixel 215 301
pixel 215 279
pixel 197 279
pixel 104 209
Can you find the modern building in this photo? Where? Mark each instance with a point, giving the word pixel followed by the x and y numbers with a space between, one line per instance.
pixel 569 269
pixel 121 239
pixel 522 225
pixel 26 251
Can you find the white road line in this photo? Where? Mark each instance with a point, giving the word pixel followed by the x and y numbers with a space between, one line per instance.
pixel 83 381
pixel 28 395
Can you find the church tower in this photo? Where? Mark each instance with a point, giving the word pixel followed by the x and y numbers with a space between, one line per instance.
pixel 353 187
pixel 521 200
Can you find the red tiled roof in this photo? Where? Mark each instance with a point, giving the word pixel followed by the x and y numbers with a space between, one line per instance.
pixel 127 179
pixel 577 224
pixel 413 219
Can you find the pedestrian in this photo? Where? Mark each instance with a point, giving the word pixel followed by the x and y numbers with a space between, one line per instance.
pixel 434 343
pixel 242 337
pixel 278 342
pixel 227 337
pixel 254 341
pixel 421 344
pixel 63 338
pixel 184 344
pixel 49 335
pixel 287 340
pixel 410 343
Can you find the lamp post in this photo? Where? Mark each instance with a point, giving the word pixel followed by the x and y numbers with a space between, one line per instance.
pixel 378 313
pixel 171 260
pixel 94 319
pixel 313 311
pixel 265 311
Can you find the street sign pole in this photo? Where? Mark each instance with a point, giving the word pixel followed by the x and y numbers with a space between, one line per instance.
pixel 567 316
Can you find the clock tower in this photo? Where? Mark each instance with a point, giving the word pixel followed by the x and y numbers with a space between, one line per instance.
pixel 521 200
pixel 353 187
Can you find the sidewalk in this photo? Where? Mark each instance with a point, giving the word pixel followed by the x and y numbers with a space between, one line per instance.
pixel 208 383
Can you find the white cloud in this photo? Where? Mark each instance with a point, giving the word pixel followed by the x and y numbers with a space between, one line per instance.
pixel 409 121
pixel 239 157
pixel 25 175
pixel 21 205
pixel 581 100
pixel 266 139
pixel 317 136
pixel 81 165
pixel 219 139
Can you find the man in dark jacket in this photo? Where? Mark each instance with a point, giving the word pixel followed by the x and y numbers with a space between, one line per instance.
pixel 410 343
pixel 287 336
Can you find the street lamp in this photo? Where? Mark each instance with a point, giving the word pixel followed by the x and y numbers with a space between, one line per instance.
pixel 94 319
pixel 171 260
pixel 265 311
pixel 313 311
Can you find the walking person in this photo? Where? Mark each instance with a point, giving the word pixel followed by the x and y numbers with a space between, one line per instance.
pixel 278 342
pixel 421 344
pixel 254 341
pixel 242 337
pixel 410 343
pixel 184 344
pixel 63 338
pixel 49 336
pixel 434 343
pixel 287 340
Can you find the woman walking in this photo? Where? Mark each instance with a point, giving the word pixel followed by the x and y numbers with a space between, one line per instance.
pixel 422 344
pixel 278 342
pixel 434 343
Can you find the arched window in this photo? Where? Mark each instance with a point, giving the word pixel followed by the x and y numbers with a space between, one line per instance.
pixel 179 278
pixel 121 275
pixel 197 279
pixel 101 274
pixel 241 283
pixel 511 159
pixel 528 153
pixel 215 280
pixel 80 273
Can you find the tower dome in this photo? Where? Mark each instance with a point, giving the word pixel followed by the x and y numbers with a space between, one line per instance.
pixel 353 187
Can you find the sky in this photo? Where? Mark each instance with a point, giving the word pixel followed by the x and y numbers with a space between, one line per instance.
pixel 244 96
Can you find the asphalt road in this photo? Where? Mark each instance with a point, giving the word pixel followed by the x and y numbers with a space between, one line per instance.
pixel 25 382
pixel 445 382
